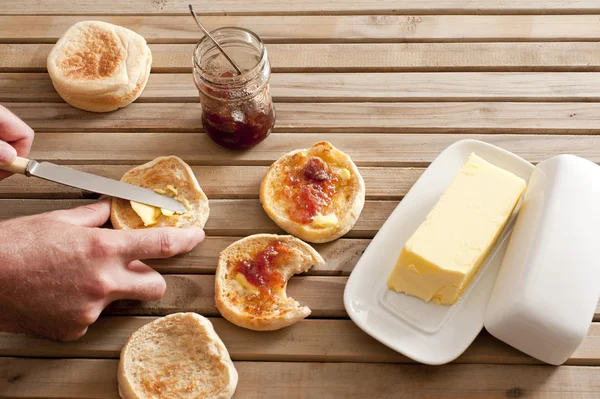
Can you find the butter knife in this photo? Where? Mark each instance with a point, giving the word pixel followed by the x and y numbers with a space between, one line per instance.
pixel 87 181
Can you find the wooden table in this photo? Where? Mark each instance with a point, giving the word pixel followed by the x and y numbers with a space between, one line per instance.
pixel 392 83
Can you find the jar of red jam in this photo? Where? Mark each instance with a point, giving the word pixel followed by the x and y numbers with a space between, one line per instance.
pixel 237 109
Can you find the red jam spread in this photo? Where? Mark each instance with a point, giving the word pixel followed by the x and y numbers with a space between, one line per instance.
pixel 261 271
pixel 310 190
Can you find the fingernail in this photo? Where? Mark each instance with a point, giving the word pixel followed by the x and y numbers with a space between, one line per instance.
pixel 197 232
pixel 7 153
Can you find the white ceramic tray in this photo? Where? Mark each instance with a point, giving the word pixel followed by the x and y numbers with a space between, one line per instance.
pixel 426 332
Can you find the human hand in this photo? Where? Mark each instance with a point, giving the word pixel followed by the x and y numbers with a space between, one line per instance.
pixel 15 139
pixel 58 270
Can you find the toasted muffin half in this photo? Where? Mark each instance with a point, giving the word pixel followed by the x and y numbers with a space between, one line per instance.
pixel 252 276
pixel 99 67
pixel 316 194
pixel 168 176
pixel 177 356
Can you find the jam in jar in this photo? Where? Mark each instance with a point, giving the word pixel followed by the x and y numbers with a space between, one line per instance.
pixel 237 109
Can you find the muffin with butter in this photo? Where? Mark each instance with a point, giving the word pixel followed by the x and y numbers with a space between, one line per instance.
pixel 316 194
pixel 167 176
pixel 99 67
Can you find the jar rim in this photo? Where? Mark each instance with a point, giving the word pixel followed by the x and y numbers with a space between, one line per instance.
pixel 246 75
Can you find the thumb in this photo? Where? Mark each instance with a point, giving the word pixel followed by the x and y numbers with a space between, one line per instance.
pixel 7 153
pixel 93 215
pixel 7 156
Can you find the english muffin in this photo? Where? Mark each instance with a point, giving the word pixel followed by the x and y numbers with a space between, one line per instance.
pixel 316 194
pixel 168 176
pixel 99 67
pixel 177 356
pixel 252 276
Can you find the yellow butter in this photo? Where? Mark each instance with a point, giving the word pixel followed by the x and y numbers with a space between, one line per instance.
pixel 343 173
pixel 322 221
pixel 172 189
pixel 185 203
pixel 279 291
pixel 240 278
pixel 167 212
pixel 147 213
pixel 439 260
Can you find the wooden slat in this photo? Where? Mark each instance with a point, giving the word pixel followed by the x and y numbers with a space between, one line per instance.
pixel 370 149
pixel 335 87
pixel 320 28
pixel 447 117
pixel 338 340
pixel 227 217
pixel 96 378
pixel 340 257
pixel 231 7
pixel 241 182
pixel 195 293
pixel 512 57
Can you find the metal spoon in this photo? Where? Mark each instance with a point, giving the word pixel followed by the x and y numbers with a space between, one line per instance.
pixel 239 71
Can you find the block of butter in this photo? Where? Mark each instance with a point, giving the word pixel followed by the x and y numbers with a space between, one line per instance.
pixel 439 260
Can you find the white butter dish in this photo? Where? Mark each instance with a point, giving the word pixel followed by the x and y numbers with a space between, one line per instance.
pixel 543 300
pixel 425 332
pixel 549 282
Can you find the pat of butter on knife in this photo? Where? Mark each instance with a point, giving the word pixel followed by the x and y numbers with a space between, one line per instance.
pixel 439 260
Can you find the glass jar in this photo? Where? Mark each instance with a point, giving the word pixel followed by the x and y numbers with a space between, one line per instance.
pixel 237 109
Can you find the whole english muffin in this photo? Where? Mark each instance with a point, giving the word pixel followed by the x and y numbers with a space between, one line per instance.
pixel 252 276
pixel 168 176
pixel 177 356
pixel 99 67
pixel 316 194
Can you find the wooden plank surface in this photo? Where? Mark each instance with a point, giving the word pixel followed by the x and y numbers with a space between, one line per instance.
pixel 96 378
pixel 323 28
pixel 340 257
pixel 390 82
pixel 405 117
pixel 335 87
pixel 227 217
pixel 377 57
pixel 241 182
pixel 338 341
pixel 368 149
pixel 242 217
pixel 232 7
pixel 195 293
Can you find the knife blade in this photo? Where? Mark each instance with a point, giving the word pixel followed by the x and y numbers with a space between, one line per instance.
pixel 101 185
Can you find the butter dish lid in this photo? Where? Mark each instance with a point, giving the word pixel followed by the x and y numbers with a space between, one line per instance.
pixel 548 286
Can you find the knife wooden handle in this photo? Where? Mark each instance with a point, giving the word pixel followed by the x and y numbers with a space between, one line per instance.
pixel 18 166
